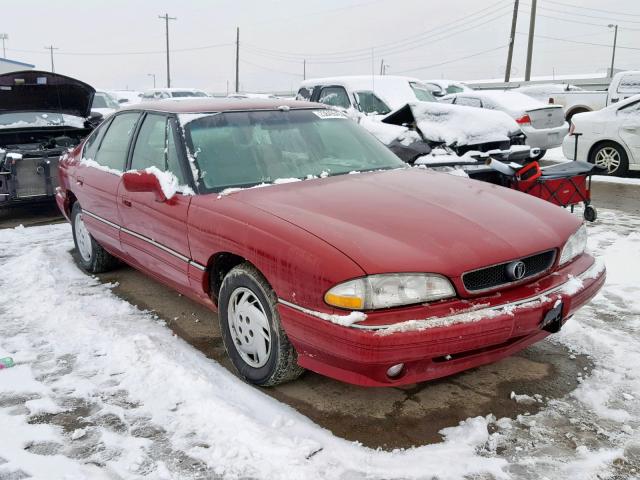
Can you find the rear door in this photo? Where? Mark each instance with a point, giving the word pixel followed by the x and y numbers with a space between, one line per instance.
pixel 154 234
pixel 98 177
pixel 630 128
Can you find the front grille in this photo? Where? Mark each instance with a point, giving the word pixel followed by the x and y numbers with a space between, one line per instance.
pixel 496 275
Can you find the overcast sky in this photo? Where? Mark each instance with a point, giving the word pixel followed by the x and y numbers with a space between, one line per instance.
pixel 457 39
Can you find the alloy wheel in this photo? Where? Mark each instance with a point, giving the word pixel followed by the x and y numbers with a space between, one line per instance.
pixel 609 158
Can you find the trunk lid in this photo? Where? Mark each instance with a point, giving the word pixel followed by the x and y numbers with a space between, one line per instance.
pixel 546 117
pixel 38 91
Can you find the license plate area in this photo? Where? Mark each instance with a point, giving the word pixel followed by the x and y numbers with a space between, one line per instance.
pixel 552 321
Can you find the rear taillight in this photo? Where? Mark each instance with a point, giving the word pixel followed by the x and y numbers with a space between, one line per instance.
pixel 523 119
pixel 572 128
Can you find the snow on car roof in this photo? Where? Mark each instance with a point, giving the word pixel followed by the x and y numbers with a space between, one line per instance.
pixel 395 91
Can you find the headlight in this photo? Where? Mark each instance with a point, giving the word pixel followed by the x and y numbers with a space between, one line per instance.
pixel 574 246
pixel 389 290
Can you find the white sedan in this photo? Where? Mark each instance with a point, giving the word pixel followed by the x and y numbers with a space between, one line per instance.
pixel 542 123
pixel 609 137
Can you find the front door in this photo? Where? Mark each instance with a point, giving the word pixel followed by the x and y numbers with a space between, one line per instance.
pixel 630 128
pixel 154 233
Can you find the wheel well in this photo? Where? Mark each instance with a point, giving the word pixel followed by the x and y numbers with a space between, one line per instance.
pixel 219 265
pixel 71 199
pixel 575 111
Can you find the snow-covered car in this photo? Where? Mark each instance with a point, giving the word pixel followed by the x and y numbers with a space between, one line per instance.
pixel 251 95
pixel 345 262
pixel 164 93
pixel 440 88
pixel 623 85
pixel 609 138
pixel 573 99
pixel 104 103
pixel 126 97
pixel 42 115
pixel 543 124
pixel 378 96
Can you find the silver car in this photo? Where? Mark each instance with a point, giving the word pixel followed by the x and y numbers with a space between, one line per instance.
pixel 543 124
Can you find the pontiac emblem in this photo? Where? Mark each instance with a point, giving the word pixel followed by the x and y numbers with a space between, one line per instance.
pixel 516 270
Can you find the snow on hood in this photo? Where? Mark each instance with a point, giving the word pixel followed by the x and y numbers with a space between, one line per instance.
pixel 38 91
pixel 455 124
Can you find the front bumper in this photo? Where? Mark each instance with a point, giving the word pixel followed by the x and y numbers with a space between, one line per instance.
pixel 546 138
pixel 439 346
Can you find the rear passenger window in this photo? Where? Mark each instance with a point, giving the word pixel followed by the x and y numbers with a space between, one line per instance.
pixel 155 147
pixel 335 97
pixel 92 143
pixel 115 144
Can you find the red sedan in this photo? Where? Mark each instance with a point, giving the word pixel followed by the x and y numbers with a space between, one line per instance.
pixel 317 246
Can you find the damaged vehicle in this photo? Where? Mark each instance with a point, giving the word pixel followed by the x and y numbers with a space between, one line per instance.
pixel 371 98
pixel 42 115
pixel 345 261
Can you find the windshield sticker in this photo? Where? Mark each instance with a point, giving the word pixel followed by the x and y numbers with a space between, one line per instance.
pixel 326 113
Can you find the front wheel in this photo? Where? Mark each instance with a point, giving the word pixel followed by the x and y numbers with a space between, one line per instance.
pixel 611 157
pixel 251 331
pixel 92 257
pixel 539 156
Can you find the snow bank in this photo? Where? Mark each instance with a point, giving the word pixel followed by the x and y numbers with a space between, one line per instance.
pixel 123 362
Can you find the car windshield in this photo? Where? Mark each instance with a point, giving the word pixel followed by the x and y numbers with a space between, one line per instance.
pixel 422 92
pixel 102 100
pixel 39 119
pixel 242 149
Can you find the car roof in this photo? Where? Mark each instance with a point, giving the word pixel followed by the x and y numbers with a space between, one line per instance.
pixel 358 82
pixel 208 104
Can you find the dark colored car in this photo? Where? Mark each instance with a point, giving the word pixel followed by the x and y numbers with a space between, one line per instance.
pixel 42 114
pixel 319 248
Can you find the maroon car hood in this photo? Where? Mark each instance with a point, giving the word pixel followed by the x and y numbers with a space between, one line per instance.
pixel 417 220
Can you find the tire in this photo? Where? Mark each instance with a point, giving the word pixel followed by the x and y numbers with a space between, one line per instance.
pixel 91 256
pixel 251 330
pixel 611 157
pixel 590 213
pixel 539 155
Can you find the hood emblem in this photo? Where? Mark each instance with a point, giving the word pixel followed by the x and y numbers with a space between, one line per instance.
pixel 516 270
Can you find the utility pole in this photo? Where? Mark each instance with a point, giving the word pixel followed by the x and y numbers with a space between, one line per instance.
pixel 154 78
pixel 512 40
pixel 166 19
pixel 51 48
pixel 3 37
pixel 304 70
pixel 615 40
pixel 237 59
pixel 532 28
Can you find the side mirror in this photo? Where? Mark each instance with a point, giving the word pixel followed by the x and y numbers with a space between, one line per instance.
pixel 141 181
pixel 95 119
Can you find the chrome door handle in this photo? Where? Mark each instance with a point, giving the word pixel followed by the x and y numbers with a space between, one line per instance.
pixel 126 202
pixel 79 181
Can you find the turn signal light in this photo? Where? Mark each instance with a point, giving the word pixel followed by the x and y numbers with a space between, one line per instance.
pixel 344 301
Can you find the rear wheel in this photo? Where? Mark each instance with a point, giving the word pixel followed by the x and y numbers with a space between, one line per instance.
pixel 611 157
pixel 91 256
pixel 250 324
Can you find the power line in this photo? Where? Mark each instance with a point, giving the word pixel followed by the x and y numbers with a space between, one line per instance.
pixel 149 52
pixel 367 55
pixel 396 43
pixel 454 60
pixel 242 60
pixel 599 17
pixel 581 43
pixel 580 7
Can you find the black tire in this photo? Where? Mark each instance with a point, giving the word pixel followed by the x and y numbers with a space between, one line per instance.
pixel 623 166
pixel 590 213
pixel 98 260
pixel 282 360
pixel 539 155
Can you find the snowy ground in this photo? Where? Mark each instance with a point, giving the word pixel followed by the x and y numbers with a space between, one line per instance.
pixel 104 390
